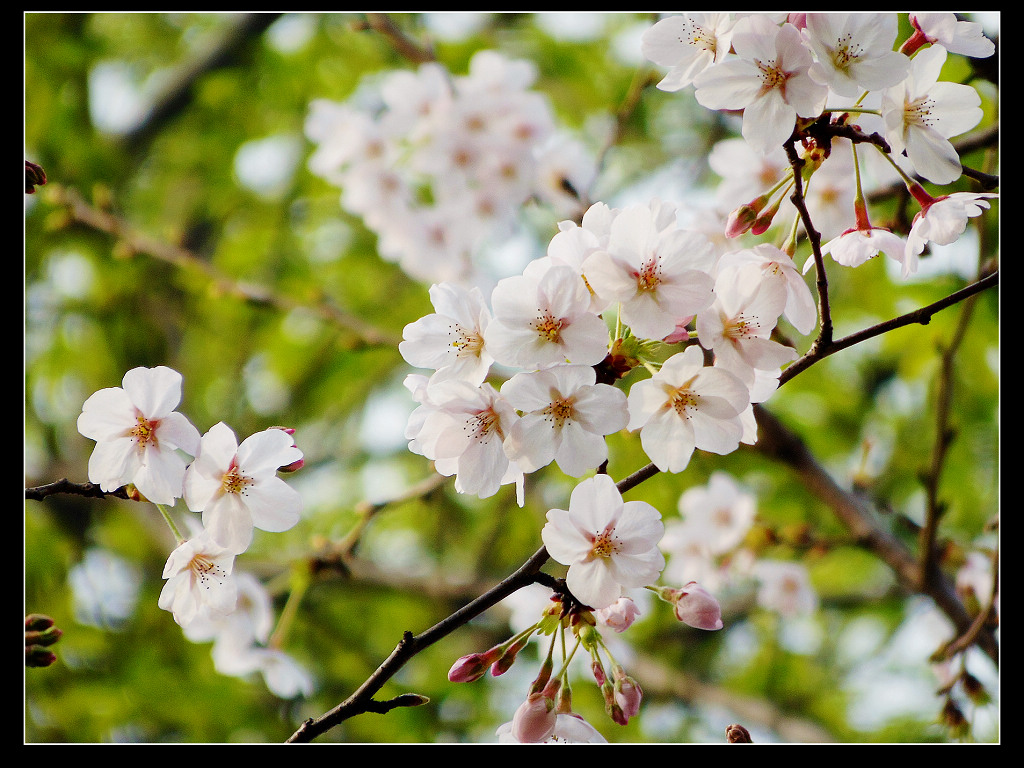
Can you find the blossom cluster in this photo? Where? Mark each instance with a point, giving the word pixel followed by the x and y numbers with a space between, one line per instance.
pixel 141 443
pixel 437 165
pixel 787 71
pixel 551 327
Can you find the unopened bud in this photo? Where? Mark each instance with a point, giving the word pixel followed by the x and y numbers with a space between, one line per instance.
pixel 34 176
pixel 740 221
pixel 473 666
pixel 737 734
pixel 628 694
pixel 503 664
pixel 38 656
pixel 534 720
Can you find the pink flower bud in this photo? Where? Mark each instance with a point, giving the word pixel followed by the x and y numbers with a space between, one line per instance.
pixel 468 668
pixel 697 607
pixel 628 695
pixel 473 666
pixel 534 720
pixel 619 615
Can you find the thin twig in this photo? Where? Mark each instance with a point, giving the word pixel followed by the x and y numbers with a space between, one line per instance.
pixel 362 700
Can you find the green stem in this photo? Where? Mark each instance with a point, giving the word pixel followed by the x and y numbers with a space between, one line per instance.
pixel 170 522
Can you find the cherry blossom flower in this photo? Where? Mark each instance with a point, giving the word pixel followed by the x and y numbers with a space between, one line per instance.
pixel 856 246
pixel 768 80
pixel 569 728
pixel 199 580
pixel 137 434
pixel 800 308
pixel 738 326
pixel 963 37
pixel 608 544
pixel 566 415
pixel 719 513
pixel 462 428
pixel 941 220
pixel 684 406
pixel 658 273
pixel 922 114
pixel 451 341
pixel 784 587
pixel 236 487
pixel 250 621
pixel 854 51
pixel 687 44
pixel 283 675
pixel 620 615
pixel 545 320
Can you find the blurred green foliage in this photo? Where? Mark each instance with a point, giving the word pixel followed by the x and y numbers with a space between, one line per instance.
pixel 95 309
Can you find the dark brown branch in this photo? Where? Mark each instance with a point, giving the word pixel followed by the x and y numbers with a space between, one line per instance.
pixel 921 316
pixel 90 490
pixel 362 700
pixel 178 94
pixel 778 442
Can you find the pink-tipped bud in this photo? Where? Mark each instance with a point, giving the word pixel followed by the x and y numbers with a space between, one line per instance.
pixel 619 615
pixel 503 664
pixel 697 607
pixel 534 720
pixel 295 465
pixel 740 220
pixel 473 666
pixel 467 669
pixel 627 694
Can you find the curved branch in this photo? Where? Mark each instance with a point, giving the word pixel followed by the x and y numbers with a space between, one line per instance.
pixel 922 316
pixel 89 490
pixel 362 700
pixel 780 443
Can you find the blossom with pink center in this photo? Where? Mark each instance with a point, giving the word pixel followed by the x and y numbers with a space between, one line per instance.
pixel 941 220
pixel 462 428
pixel 199 580
pixel 451 340
pixel 775 264
pixel 921 114
pixel 684 406
pixel 854 51
pixel 856 246
pixel 768 79
pixel 966 38
pixel 236 486
pixel 137 434
pixel 738 326
pixel 657 273
pixel 784 587
pixel 545 320
pixel 565 416
pixel 687 44
pixel 608 544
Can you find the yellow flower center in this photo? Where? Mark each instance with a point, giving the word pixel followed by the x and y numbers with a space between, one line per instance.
pixel 205 570
pixel 604 544
pixel 234 481
pixel 144 432
pixel 560 411
pixel 549 327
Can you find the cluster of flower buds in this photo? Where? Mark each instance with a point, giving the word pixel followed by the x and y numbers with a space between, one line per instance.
pixel 40 633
